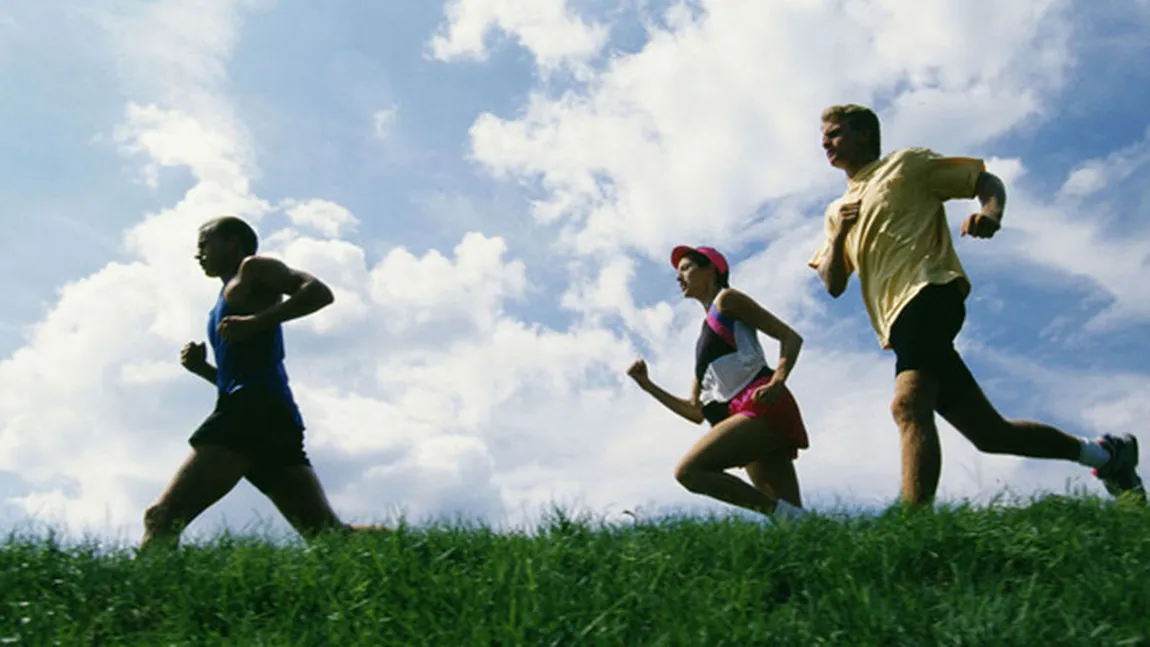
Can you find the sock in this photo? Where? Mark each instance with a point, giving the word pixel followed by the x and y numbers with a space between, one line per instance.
pixel 787 510
pixel 1093 454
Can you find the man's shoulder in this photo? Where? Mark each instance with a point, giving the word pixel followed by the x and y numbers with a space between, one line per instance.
pixel 257 264
pixel 903 164
pixel 912 154
pixel 255 272
pixel 833 206
pixel 257 260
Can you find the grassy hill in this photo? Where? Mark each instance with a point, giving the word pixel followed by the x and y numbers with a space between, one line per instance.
pixel 1061 571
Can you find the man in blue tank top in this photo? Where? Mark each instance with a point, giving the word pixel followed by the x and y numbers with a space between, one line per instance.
pixel 256 430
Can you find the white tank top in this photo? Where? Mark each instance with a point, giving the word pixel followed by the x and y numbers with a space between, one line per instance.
pixel 728 357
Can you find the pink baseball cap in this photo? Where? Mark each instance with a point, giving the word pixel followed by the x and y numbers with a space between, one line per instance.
pixel 711 253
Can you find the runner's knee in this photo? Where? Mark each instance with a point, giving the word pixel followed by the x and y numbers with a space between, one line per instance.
pixel 910 410
pixel 989 444
pixel 687 474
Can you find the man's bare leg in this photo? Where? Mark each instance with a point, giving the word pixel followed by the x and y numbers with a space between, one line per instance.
pixel 916 393
pixel 207 474
pixel 972 414
pixel 299 496
pixel 1114 458
pixel 734 442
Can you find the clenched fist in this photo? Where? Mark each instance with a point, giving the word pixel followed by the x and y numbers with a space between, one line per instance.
pixel 237 328
pixel 848 216
pixel 638 371
pixel 193 355
pixel 980 225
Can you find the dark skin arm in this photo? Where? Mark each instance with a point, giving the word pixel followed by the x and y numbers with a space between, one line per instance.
pixel 689 409
pixel 991 193
pixel 194 357
pixel 834 270
pixel 306 294
pixel 261 276
pixel 745 309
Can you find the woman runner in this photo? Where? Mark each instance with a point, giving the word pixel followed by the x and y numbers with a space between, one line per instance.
pixel 755 422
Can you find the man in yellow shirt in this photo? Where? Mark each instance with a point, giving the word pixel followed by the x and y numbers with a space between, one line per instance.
pixel 890 228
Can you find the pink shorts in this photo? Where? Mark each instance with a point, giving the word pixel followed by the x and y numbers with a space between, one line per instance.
pixel 782 415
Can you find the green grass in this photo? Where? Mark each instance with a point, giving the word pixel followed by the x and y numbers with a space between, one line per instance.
pixel 1061 571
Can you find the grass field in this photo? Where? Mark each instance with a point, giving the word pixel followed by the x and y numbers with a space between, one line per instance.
pixel 1061 571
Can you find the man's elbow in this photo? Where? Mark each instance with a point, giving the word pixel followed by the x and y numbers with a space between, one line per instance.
pixel 322 294
pixel 834 288
pixel 989 185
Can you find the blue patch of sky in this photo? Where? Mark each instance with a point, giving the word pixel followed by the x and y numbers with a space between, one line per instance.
pixel 307 84
pixel 1101 107
pixel 311 81
pixel 68 193
pixel 309 106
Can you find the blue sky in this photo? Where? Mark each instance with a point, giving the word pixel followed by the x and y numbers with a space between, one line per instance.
pixel 493 188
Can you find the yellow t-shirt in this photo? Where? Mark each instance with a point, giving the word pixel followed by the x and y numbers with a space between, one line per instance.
pixel 901 241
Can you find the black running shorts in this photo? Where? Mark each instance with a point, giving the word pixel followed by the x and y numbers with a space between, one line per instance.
pixel 259 425
pixel 923 340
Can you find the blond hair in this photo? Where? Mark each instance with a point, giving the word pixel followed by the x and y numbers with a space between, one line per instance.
pixel 858 119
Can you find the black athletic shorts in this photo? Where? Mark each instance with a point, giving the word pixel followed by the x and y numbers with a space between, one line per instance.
pixel 922 338
pixel 259 425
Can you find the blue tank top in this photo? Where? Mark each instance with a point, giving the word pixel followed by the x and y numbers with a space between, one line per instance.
pixel 255 362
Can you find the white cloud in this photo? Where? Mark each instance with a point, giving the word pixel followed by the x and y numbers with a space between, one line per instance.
pixel 718 114
pixel 417 291
pixel 549 29
pixel 174 53
pixel 146 372
pixel 416 381
pixel 109 343
pixel 1009 170
pixel 171 138
pixel 383 121
pixel 1085 230
pixel 343 268
pixel 323 216
pixel 1095 175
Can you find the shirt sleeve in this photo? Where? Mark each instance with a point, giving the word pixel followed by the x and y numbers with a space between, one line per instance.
pixel 825 249
pixel 821 253
pixel 951 177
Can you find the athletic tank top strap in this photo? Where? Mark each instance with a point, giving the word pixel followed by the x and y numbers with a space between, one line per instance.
pixel 728 357
pixel 256 362
pixel 716 339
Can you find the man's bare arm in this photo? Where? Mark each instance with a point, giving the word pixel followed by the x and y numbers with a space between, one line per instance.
pixel 991 193
pixel 306 293
pixel 833 269
pixel 206 371
pixel 193 357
